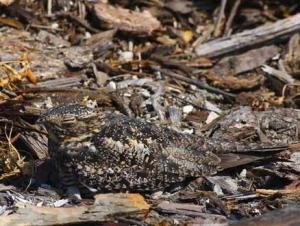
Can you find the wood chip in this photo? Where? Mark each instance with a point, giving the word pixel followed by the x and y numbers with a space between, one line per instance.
pixel 104 207
pixel 285 217
pixel 247 61
pixel 233 83
pixel 125 20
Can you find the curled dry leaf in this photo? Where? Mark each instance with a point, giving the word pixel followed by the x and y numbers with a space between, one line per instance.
pixel 126 20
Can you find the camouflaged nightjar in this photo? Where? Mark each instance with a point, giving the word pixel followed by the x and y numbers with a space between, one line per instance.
pixel 113 152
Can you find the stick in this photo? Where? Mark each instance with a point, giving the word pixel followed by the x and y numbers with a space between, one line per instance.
pixel 49 7
pixel 221 18
pixel 231 17
pixel 281 75
pixel 259 36
pixel 197 83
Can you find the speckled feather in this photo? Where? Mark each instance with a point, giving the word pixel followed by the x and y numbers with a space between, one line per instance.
pixel 110 152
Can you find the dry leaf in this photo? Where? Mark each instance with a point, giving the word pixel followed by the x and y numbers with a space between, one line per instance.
pixel 126 20
pixel 30 76
pixel 186 36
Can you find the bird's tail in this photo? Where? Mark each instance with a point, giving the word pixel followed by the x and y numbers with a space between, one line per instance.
pixel 250 155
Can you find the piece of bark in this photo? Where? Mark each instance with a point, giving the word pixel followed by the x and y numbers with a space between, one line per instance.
pixel 244 124
pixel 247 61
pixel 51 39
pixel 291 62
pixel 181 208
pixel 125 20
pixel 288 216
pixel 60 96
pixel 259 36
pixel 105 207
pixel 64 82
pixel 179 6
pixel 77 57
pixel 101 38
pixel 177 210
pixel 36 142
pixel 221 19
pixel 287 192
pixel 280 75
pixel 234 83
pixel 226 183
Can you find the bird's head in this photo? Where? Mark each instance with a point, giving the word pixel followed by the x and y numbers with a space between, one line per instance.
pixel 67 120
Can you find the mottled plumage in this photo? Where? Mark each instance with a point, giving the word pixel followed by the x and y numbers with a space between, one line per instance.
pixel 109 152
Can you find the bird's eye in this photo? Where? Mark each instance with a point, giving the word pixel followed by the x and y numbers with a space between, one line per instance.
pixel 68 119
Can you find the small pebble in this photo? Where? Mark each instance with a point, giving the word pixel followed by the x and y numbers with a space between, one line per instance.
pixel 157 195
pixel 243 174
pixel 127 94
pixel 188 131
pixel 130 46
pixel 48 102
pixel 112 85
pixel 187 109
pixel 54 26
pixel 61 202
pixel 193 87
pixel 40 204
pixel 212 107
pixel 126 55
pixel 218 189
pixel 176 222
pixel 212 116
pixel 87 35
pixel 146 93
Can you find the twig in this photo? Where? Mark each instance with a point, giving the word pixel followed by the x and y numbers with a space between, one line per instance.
pixel 197 83
pixel 155 102
pixel 295 192
pixel 49 7
pixel 45 27
pixel 7 92
pixel 82 23
pixel 221 18
pixel 78 20
pixel 281 75
pixel 193 104
pixel 231 17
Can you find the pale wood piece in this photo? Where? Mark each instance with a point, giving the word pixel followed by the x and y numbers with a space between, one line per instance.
pixel 269 33
pixel 105 207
